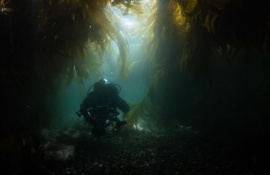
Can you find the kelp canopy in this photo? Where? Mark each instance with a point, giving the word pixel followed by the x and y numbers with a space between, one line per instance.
pixel 206 58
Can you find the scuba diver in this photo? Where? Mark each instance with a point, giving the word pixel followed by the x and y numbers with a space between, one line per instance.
pixel 99 108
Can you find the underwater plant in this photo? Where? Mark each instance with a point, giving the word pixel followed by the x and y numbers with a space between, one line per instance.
pixel 68 27
pixel 190 38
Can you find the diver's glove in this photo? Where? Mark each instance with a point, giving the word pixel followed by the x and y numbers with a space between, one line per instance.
pixel 121 123
pixel 79 114
pixel 118 126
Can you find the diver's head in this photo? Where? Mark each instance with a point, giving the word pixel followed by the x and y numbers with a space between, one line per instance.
pixel 100 85
pixel 106 87
pixel 103 81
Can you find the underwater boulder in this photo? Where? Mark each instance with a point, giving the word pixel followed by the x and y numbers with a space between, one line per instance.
pixel 64 154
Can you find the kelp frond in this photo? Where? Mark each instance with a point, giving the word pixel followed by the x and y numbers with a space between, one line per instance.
pixel 228 24
pixel 207 29
pixel 67 26
pixel 129 6
pixel 147 110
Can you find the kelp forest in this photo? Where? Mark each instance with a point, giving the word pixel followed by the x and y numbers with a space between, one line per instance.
pixel 195 74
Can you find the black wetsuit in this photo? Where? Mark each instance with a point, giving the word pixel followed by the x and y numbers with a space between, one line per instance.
pixel 101 105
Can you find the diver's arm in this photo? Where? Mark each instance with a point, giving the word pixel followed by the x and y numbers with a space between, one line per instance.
pixel 86 104
pixel 122 105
